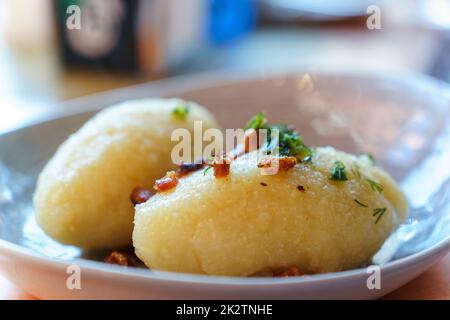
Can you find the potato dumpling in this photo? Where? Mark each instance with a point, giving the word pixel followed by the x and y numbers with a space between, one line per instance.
pixel 82 195
pixel 247 222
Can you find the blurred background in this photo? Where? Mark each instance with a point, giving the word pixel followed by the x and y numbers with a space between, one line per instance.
pixel 55 50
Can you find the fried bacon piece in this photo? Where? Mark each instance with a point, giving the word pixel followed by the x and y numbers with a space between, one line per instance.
pixel 221 170
pixel 287 162
pixel 265 162
pixel 289 272
pixel 121 258
pixel 186 168
pixel 221 166
pixel 167 182
pixel 140 195
pixel 284 163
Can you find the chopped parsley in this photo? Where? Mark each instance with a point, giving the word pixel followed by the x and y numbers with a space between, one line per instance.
pixel 290 143
pixel 207 168
pixel 360 203
pixel 338 172
pixel 181 110
pixel 257 122
pixel 378 212
pixel 375 185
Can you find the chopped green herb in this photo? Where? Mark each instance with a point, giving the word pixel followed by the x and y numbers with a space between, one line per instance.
pixel 378 213
pixel 360 203
pixel 338 172
pixel 375 185
pixel 181 110
pixel 209 166
pixel 257 122
pixel 290 143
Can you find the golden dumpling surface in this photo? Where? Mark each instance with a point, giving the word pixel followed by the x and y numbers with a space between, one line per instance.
pixel 247 222
pixel 82 195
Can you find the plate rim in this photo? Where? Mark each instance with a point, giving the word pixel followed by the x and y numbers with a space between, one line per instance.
pixel 204 81
pixel 179 277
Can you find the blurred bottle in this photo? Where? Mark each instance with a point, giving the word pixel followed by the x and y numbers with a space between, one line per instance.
pixel 97 33
pixel 230 19
pixel 146 35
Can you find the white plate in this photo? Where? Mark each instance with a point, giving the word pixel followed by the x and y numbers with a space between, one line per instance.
pixel 403 121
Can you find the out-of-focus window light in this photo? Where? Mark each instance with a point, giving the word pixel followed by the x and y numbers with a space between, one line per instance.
pixel 435 12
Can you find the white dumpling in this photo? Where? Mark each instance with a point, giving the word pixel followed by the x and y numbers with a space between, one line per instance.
pixel 82 195
pixel 247 223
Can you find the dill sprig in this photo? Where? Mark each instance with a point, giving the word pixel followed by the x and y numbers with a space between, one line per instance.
pixel 360 203
pixel 208 164
pixel 338 172
pixel 378 212
pixel 375 185
pixel 257 122
pixel 207 168
pixel 290 144
pixel 181 110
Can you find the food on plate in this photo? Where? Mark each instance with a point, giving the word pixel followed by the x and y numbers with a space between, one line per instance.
pixel 121 258
pixel 324 210
pixel 271 206
pixel 82 196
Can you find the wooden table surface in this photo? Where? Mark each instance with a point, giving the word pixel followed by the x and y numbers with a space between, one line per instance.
pixel 433 284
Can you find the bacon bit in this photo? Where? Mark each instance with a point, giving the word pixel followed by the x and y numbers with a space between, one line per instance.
pixel 301 188
pixel 121 258
pixel 263 184
pixel 222 167
pixel 284 163
pixel 167 182
pixel 186 168
pixel 287 162
pixel 290 272
pixel 140 195
pixel 265 163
